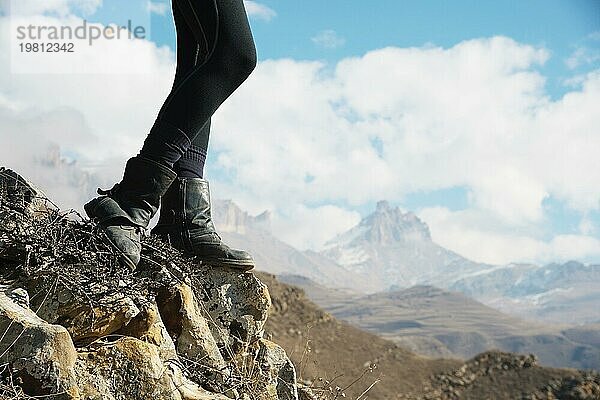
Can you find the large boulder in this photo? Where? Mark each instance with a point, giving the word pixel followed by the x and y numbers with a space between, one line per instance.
pixel 85 321
pixel 41 355
pixel 236 305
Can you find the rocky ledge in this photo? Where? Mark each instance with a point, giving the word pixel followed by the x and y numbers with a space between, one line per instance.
pixel 75 325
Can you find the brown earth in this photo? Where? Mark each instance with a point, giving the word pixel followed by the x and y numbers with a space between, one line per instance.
pixel 332 354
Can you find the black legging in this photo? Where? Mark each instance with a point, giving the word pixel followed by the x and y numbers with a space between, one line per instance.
pixel 215 55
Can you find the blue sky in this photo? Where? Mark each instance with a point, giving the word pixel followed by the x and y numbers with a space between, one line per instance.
pixel 559 25
pixel 476 115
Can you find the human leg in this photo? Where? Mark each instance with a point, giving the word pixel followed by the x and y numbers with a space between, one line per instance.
pixel 217 74
pixel 185 219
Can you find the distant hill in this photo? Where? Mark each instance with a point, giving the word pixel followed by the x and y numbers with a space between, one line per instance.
pixel 323 347
pixel 440 323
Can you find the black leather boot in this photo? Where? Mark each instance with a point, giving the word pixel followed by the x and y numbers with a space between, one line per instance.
pixel 126 210
pixel 185 222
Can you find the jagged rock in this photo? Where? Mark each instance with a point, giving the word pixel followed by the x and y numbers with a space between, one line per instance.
pixel 126 369
pixel 144 362
pixel 149 327
pixel 85 321
pixel 186 322
pixel 40 354
pixel 278 369
pixel 237 305
pixel 132 369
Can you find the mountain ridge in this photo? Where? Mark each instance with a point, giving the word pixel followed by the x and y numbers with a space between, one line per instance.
pixel 438 323
pixel 319 343
pixel 390 249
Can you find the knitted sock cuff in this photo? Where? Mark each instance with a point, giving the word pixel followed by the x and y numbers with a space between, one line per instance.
pixel 191 164
pixel 166 143
pixel 195 153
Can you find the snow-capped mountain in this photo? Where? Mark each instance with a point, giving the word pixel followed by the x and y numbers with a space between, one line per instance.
pixel 395 250
pixel 569 293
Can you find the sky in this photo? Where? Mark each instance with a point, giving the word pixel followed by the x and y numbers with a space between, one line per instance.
pixel 480 117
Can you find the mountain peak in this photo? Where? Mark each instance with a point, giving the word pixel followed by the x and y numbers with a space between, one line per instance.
pixel 383 206
pixel 229 217
pixel 386 225
pixel 389 225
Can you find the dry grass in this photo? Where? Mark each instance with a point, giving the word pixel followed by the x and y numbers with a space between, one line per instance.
pixel 9 388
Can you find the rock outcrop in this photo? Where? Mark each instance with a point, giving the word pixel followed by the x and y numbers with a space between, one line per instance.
pixel 494 366
pixel 75 325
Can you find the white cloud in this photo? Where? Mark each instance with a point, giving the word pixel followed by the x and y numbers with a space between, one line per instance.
pixel 158 8
pixel 258 10
pixel 100 119
pixel 474 115
pixel 443 119
pixel 573 247
pixel 328 39
pixel 477 236
pixel 480 237
pixel 306 227
pixel 582 56
pixel 586 52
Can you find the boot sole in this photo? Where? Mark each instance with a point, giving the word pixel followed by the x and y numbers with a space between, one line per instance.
pixel 219 262
pixel 127 263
